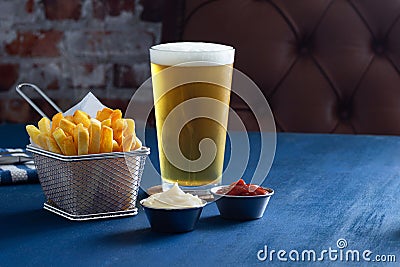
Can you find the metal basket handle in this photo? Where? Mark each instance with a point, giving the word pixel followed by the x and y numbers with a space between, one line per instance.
pixel 37 89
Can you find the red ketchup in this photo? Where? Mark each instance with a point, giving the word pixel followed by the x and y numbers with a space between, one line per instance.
pixel 240 188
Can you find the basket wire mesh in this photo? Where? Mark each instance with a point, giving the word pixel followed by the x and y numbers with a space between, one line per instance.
pixel 90 184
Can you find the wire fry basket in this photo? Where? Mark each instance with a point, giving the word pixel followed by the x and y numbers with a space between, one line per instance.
pixel 89 186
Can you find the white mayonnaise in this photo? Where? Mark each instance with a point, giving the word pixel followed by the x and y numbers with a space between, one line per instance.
pixel 174 198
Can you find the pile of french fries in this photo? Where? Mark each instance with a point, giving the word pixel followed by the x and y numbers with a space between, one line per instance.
pixel 81 135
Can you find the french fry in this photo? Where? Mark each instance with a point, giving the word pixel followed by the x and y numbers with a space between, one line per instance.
pixel 60 136
pixel 127 143
pixel 81 117
pixel 138 144
pixel 56 121
pixel 44 125
pixel 75 136
pixel 106 145
pixel 33 133
pixel 70 118
pixel 117 127
pixel 128 135
pixel 67 126
pixel 104 114
pixel 115 115
pixel 52 145
pixel 69 147
pixel 83 140
pixel 116 146
pixel 106 122
pixel 42 140
pixel 94 136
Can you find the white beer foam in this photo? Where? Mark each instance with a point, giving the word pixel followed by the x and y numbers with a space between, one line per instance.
pixel 198 52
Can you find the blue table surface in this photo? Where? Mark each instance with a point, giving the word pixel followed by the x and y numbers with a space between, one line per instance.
pixel 327 187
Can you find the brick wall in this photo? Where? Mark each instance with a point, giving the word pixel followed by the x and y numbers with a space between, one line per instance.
pixel 68 47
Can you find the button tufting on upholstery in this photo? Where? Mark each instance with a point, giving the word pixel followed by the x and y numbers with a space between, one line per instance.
pixel 378 46
pixel 304 47
pixel 344 112
pixel 304 50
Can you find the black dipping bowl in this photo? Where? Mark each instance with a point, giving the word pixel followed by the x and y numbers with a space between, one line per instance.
pixel 241 208
pixel 172 220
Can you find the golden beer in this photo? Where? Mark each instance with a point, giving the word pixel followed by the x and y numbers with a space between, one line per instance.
pixel 191 98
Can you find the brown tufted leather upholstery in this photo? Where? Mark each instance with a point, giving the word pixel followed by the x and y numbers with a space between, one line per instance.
pixel 324 66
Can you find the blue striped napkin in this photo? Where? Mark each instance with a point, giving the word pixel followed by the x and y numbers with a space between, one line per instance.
pixel 16 172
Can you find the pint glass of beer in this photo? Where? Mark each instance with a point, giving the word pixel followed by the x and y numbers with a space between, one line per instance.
pixel 191 88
